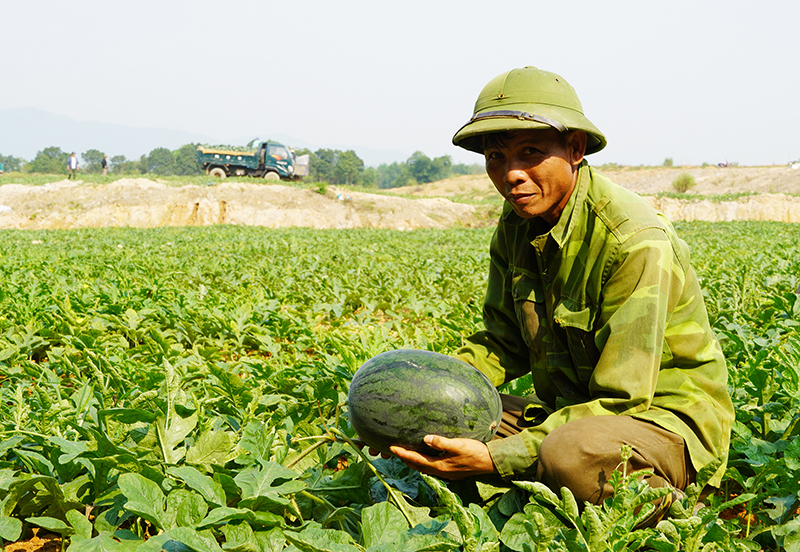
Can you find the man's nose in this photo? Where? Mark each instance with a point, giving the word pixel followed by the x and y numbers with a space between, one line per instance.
pixel 515 173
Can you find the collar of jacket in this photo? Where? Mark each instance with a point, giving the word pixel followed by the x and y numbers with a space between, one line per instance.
pixel 569 216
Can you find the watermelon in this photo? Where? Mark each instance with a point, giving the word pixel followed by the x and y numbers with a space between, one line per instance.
pixel 398 397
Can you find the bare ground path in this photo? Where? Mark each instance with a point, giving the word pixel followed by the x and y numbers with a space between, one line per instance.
pixel 775 189
pixel 465 201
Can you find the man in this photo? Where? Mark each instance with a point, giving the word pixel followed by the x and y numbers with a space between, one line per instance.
pixel 591 293
pixel 104 165
pixel 72 166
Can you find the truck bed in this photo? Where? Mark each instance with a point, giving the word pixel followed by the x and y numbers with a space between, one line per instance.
pixel 225 152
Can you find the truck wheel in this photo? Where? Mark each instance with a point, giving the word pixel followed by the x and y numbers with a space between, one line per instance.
pixel 217 173
pixel 272 175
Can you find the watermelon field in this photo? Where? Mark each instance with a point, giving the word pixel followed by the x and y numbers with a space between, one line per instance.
pixel 185 389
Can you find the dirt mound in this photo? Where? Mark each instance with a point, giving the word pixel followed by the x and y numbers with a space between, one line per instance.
pixel 710 181
pixel 143 203
pixel 774 207
pixel 777 189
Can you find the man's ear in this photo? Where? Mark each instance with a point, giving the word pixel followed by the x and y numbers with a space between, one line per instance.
pixel 576 144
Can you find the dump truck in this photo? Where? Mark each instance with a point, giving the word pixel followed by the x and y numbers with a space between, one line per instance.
pixel 270 160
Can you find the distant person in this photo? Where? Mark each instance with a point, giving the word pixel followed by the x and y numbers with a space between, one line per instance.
pixel 2 168
pixel 72 166
pixel 104 164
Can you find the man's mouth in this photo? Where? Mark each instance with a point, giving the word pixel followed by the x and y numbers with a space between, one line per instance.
pixel 520 198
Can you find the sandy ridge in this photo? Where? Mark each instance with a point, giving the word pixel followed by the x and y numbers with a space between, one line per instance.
pixel 144 203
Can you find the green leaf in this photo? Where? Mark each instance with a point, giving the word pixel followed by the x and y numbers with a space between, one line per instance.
pixel 79 522
pixel 792 455
pixel 171 434
pixel 185 508
pixel 486 532
pixel 647 495
pixel 315 539
pixel 211 490
pixel 52 524
pixel 381 523
pixel 42 488
pixel 270 541
pixel 129 415
pixel 104 542
pixel 783 506
pixel 35 462
pixel 200 541
pixel 257 441
pixel 145 498
pixel 239 537
pixel 213 447
pixel 539 489
pixel 10 528
pixel 593 525
pixel 350 484
pixel 232 385
pixel 10 444
pixel 569 506
pixel 257 482
pixel 71 449
pixel 221 516
pixel 789 534
pixel 463 518
pixel 530 527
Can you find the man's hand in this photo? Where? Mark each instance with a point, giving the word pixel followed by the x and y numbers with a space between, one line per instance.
pixel 460 458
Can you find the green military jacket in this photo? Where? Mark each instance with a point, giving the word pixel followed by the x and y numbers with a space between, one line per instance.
pixel 606 314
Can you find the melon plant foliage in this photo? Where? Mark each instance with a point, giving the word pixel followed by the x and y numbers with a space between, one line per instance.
pixel 185 389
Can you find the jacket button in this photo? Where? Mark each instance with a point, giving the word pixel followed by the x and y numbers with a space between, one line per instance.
pixel 569 389
pixel 516 293
pixel 548 278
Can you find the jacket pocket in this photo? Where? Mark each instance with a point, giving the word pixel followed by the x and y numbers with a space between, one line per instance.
pixel 529 307
pixel 578 324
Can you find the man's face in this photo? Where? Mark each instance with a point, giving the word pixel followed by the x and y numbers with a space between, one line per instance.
pixel 535 170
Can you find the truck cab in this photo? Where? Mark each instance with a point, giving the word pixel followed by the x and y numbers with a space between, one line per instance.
pixel 275 156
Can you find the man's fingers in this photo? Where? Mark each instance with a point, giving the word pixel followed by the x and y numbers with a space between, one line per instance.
pixel 408 455
pixel 376 452
pixel 438 442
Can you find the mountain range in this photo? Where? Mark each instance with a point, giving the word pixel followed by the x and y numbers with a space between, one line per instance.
pixel 25 131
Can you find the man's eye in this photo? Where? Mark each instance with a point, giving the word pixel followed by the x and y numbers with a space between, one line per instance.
pixel 492 155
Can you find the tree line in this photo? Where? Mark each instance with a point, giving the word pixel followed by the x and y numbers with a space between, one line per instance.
pixel 346 168
pixel 326 165
pixel 160 161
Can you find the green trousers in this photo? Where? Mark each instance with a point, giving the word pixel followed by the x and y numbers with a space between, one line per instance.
pixel 582 454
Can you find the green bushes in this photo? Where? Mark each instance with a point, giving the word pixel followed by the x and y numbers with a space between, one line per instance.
pixel 683 183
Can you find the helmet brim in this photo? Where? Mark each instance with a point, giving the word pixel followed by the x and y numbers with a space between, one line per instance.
pixel 470 136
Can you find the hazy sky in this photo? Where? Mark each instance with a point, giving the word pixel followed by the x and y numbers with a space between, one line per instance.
pixel 698 81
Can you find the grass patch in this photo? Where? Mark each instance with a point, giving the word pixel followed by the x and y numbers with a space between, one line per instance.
pixel 683 182
pixel 716 198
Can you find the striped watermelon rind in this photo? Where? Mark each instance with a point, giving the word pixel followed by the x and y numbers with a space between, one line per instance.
pixel 398 397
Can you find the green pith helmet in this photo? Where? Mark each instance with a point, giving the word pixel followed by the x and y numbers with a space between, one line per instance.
pixel 527 98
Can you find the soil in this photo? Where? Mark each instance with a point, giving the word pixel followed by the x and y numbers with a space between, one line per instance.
pixel 36 541
pixel 649 181
pixel 465 201
pixel 144 203
pixel 775 189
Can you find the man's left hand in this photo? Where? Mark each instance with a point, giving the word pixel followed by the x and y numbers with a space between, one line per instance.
pixel 459 458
